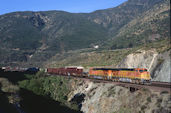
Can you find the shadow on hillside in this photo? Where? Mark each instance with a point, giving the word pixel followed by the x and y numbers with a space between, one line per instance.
pixel 5 106
pixel 30 102
pixel 33 103
pixel 13 77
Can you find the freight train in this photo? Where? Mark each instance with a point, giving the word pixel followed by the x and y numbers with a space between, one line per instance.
pixel 133 75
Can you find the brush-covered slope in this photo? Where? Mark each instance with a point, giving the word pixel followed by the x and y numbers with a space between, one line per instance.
pixel 151 25
pixel 116 18
pixel 57 30
pixel 35 37
pixel 27 35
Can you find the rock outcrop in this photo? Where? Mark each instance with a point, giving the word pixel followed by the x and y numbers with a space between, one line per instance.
pixel 109 98
pixel 157 63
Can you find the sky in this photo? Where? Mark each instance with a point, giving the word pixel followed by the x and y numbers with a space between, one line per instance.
pixel 74 6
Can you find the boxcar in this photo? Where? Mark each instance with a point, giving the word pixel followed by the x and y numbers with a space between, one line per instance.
pixel 65 71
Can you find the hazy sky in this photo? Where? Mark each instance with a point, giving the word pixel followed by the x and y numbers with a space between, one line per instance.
pixel 75 6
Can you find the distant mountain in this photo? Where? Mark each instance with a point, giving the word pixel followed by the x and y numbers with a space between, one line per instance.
pixel 149 26
pixel 53 29
pixel 34 37
pixel 27 34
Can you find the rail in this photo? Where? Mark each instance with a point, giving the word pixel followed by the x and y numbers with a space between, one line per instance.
pixel 155 86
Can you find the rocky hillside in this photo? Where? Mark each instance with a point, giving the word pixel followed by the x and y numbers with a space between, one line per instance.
pixel 109 98
pixel 115 18
pixel 157 63
pixel 149 26
pixel 96 97
pixel 28 38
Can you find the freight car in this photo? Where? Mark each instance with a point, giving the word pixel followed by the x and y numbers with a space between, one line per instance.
pixel 32 70
pixel 68 71
pixel 134 75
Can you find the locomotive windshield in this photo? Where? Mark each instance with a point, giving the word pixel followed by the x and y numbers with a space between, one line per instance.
pixel 145 70
pixel 141 71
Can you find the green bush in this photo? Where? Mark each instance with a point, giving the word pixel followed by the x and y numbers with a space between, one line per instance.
pixel 149 99
pixel 164 92
pixel 143 107
pixel 55 87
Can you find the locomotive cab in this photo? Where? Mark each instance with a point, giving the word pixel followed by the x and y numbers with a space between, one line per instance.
pixel 145 75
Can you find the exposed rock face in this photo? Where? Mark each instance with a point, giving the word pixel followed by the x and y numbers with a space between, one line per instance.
pixel 141 59
pixel 161 71
pixel 157 63
pixel 108 98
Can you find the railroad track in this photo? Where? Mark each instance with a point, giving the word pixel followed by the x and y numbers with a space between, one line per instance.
pixel 161 84
pixel 155 86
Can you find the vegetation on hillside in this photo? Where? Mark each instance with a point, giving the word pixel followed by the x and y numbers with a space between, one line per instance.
pixel 88 59
pixel 91 58
pixel 32 38
pixel 55 87
pixel 150 26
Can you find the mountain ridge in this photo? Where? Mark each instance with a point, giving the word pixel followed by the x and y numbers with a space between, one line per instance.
pixel 38 36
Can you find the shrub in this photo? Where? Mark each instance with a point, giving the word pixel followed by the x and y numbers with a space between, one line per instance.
pixel 164 92
pixel 149 99
pixel 55 87
pixel 143 107
pixel 7 86
pixel 159 100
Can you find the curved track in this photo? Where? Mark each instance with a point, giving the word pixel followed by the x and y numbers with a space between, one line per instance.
pixel 161 84
pixel 155 86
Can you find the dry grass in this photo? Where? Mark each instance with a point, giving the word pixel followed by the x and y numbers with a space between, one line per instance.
pixel 7 86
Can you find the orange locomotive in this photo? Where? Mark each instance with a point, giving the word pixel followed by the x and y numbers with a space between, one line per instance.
pixel 134 75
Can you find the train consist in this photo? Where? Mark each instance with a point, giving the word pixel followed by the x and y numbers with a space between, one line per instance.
pixel 134 75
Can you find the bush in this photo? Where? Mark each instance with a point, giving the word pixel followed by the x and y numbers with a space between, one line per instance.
pixel 55 87
pixel 7 86
pixel 164 92
pixel 143 107
pixel 40 73
pixel 32 85
pixel 149 99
